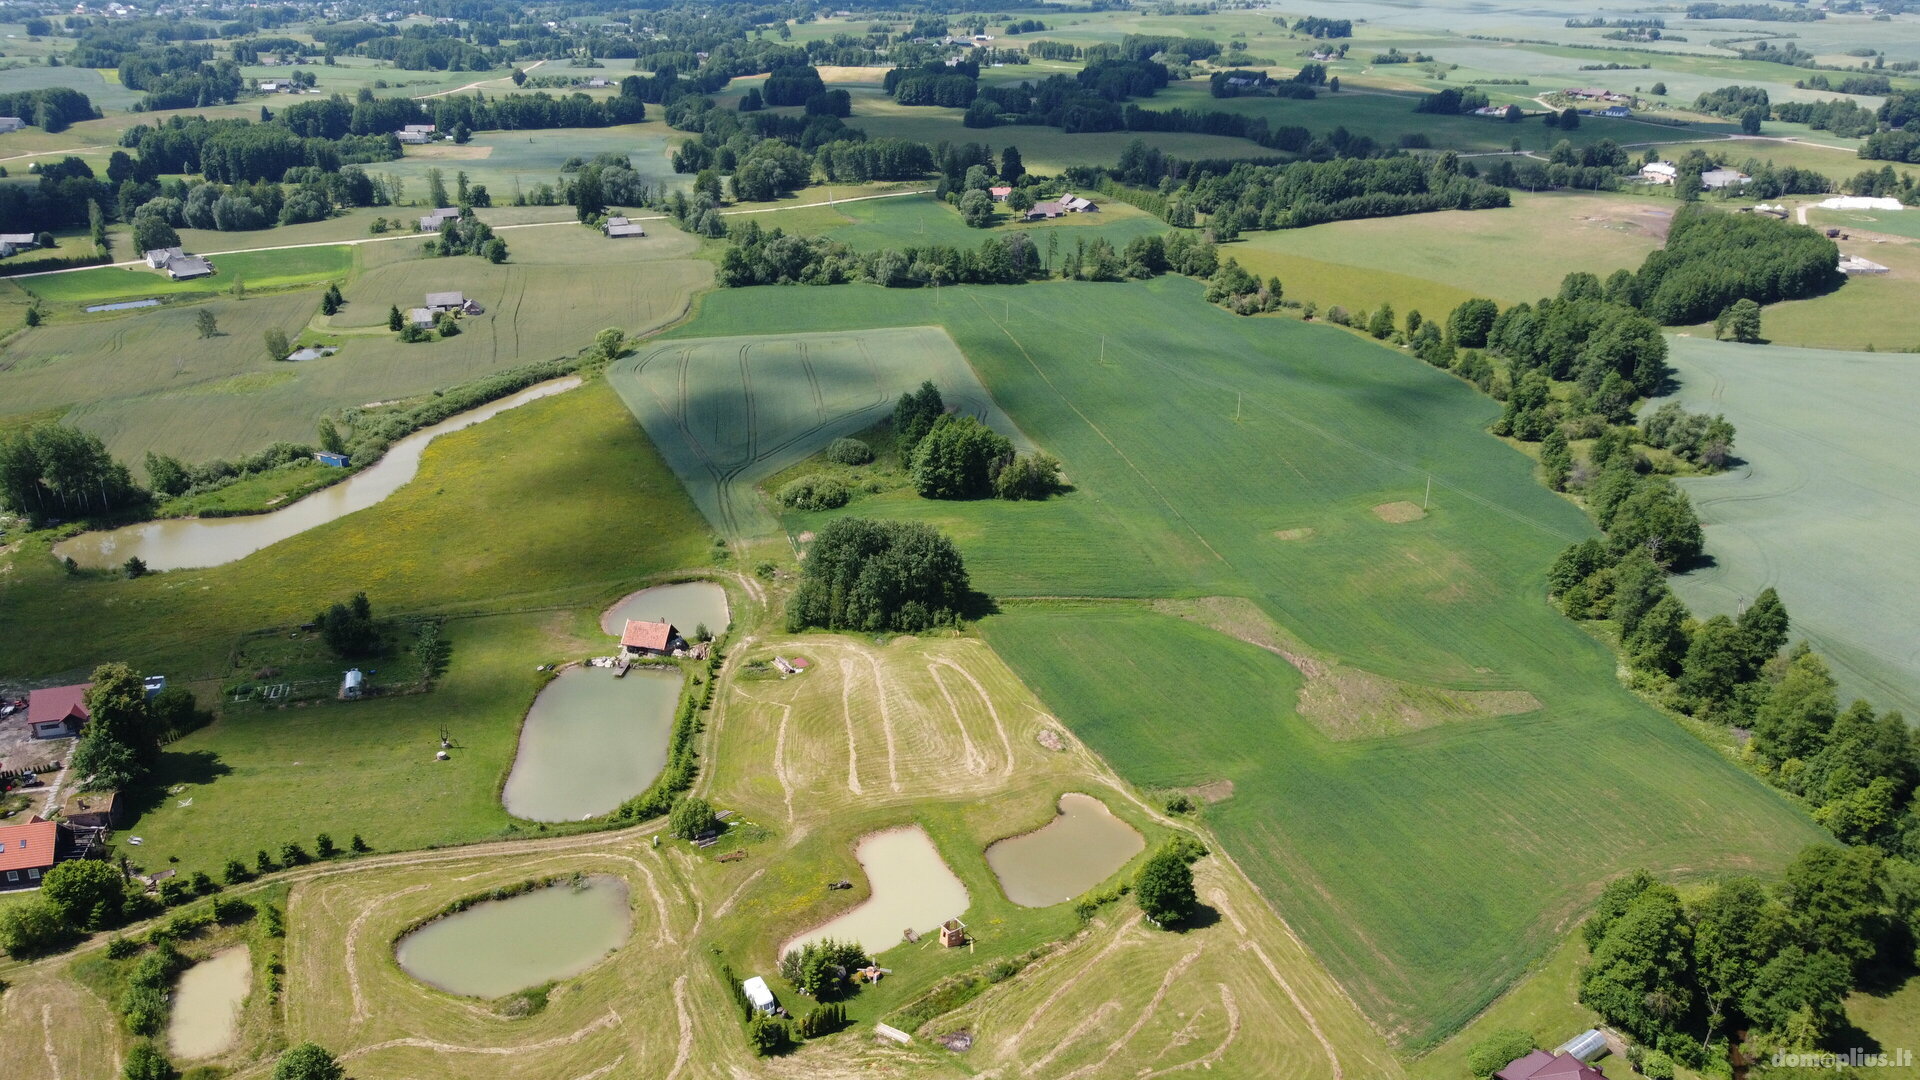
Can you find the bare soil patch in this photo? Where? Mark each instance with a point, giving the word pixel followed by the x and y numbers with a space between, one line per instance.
pixel 1398 513
pixel 1215 792
pixel 452 152
pixel 1292 534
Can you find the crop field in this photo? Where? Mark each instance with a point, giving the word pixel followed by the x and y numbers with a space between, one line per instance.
pixel 917 221
pixel 1044 150
pixel 502 159
pixel 143 380
pixel 728 412
pixel 1821 507
pixel 1202 439
pixel 937 733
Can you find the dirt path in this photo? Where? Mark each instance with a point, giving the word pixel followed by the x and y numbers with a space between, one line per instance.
pixel 972 761
pixel 475 85
pixel 684 1052
pixel 353 950
pixel 1232 1010
pixel 1006 744
pixel 51 153
pixel 846 711
pixel 1091 1021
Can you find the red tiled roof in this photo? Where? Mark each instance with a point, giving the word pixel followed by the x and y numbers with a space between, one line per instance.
pixel 647 635
pixel 1540 1065
pixel 57 703
pixel 25 846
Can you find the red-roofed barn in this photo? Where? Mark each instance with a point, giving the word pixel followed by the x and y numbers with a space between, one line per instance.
pixel 57 712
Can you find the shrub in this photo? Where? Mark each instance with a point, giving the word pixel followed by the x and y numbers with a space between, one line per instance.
pixel 1493 1053
pixel 144 1009
pixel 765 1034
pixel 358 846
pixel 820 969
pixel 292 854
pixel 849 452
pixel 691 818
pixel 323 846
pixel 231 909
pixel 1179 803
pixel 146 1062
pixel 1656 1065
pixel 85 893
pixel 308 1061
pixel 815 492
pixel 235 872
pixel 120 948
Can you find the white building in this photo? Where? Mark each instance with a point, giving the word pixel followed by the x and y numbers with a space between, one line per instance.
pixel 1659 172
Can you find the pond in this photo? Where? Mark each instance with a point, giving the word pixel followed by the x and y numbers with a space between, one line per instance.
pixel 1075 851
pixel 193 543
pixel 500 946
pixel 687 605
pixel 912 889
pixel 206 1005
pixel 591 742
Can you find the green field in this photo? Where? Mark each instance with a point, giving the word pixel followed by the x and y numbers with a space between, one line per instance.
pixel 918 221
pixel 729 412
pixel 503 159
pixel 144 380
pixel 1188 500
pixel 259 270
pixel 1822 506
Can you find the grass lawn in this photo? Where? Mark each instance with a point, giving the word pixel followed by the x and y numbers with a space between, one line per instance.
pixel 503 159
pixel 920 220
pixel 1819 505
pixel 1322 436
pixel 1869 310
pixel 258 269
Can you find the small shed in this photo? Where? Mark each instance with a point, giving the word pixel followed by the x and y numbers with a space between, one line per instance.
pixel 94 809
pixel 153 684
pixel 328 457
pixel 758 995
pixel 353 685
pixel 953 934
pixel 1585 1046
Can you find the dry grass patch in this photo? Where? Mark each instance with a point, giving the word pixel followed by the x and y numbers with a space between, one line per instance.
pixel 1398 513
pixel 1346 702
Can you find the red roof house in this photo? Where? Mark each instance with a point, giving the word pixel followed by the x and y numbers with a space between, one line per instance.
pixel 1540 1065
pixel 1000 193
pixel 26 852
pixel 57 712
pixel 648 638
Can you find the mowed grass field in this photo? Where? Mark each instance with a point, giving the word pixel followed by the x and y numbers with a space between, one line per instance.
pixel 1870 310
pixel 1514 255
pixel 257 269
pixel 1821 506
pixel 730 412
pixel 503 159
pixel 1200 440
pixel 144 379
pixel 920 220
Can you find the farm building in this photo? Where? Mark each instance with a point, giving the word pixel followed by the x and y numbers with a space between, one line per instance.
pixel 178 264
pixel 328 457
pixel 11 123
pixel 158 258
pixel 1594 93
pixel 597 83
pixel 28 851
pixel 276 86
pixel 432 222
pixel 421 317
pixel 1045 210
pixel 94 809
pixel 758 995
pixel 419 129
pixel 446 301
pixel 1077 205
pixel 1852 265
pixel 353 684
pixel 650 639
pixel 1000 193
pixel 1616 111
pixel 58 712
pixel 1540 1065
pixel 1586 1046
pixel 1659 172
pixel 14 243
pixel 619 226
pixel 412 138
pixel 1715 179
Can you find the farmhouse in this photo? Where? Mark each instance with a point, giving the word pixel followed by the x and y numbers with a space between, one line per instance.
pixel 413 138
pixel 1851 265
pixel 1593 93
pixel 650 639
pixel 1617 111
pixel 14 243
pixel 11 123
pixel 178 264
pixel 158 258
pixel 1715 179
pixel 58 712
pixel 619 226
pixel 1000 193
pixel 28 851
pixel 421 317
pixel 1659 172
pixel 276 86
pixel 432 222
pixel 1540 1065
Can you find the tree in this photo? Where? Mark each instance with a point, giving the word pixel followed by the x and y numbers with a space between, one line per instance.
pixel 1012 168
pixel 1659 89
pixel 1832 899
pixel 879 575
pixel 1469 324
pixel 85 893
pixel 1743 321
pixel 146 1062
pixel 1641 975
pixel 914 414
pixel 1711 671
pixel 609 342
pixel 1763 631
pixel 207 323
pixel 589 200
pixel 691 818
pixel 1381 325
pixel 1164 888
pixel 167 474
pixel 1496 1051
pixel 121 740
pixel 151 232
pixel 765 1034
pixel 1659 643
pixel 519 77
pixel 278 348
pixel 1028 476
pixel 394 319
pixel 328 305
pixel 330 439
pixel 437 189
pixel 1750 120
pixel 1737 928
pixel 959 459
pixel 33 317
pixel 348 628
pixel 307 1061
pixel 1556 460
pixel 495 250
pixel 32 927
pixel 1020 200
pixel 976 208
pixel 1569 119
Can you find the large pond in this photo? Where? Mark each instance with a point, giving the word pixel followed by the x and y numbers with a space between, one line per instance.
pixel 688 605
pixel 206 1005
pixel 1077 850
pixel 191 543
pixel 500 946
pixel 591 742
pixel 912 890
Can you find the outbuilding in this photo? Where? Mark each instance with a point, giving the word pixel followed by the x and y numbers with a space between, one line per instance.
pixel 94 809
pixel 619 226
pixel 445 301
pixel 353 685
pixel 1715 179
pixel 11 123
pixel 432 222
pixel 1659 172
pixel 58 712
pixel 328 457
pixel 758 995
pixel 642 638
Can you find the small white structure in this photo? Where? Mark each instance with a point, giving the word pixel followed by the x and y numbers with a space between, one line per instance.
pixel 153 684
pixel 413 138
pixel 353 685
pixel 1859 202
pixel 1715 179
pixel 1659 172
pixel 619 226
pixel 758 995
pixel 431 222
pixel 1585 1046
pixel 1851 265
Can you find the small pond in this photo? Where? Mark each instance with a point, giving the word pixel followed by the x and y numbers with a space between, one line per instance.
pixel 206 1005
pixel 912 889
pixel 1077 850
pixel 494 948
pixel 192 543
pixel 591 742
pixel 687 605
